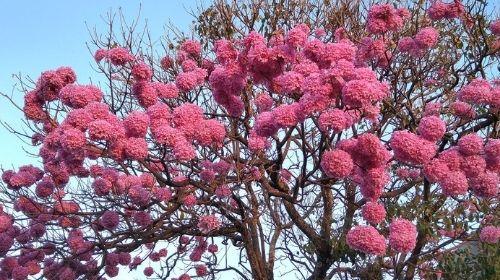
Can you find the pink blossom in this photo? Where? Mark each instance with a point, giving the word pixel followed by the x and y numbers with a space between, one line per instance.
pixel 373 212
pixel 223 191
pixel 208 223
pixel 383 18
pixel 48 85
pixel 77 96
pixel 490 234
pixel 101 130
pixel 372 182
pixel 201 270
pixel 360 93
pixel 191 47
pixel 66 207
pixel 334 119
pixel 146 93
pixel 426 37
pixel 225 51
pixel 166 91
pixel 166 62
pixel 452 158
pixel 431 128
pixel 142 71
pixel 45 187
pixel 159 114
pixel 367 240
pixel 139 195
pixel 6 242
pixel 5 222
pixel 136 148
pixel 136 124
pixel 485 184
pixel 189 201
pixel 163 194
pixel 287 115
pixel 148 271
pixel 20 273
pixel 478 91
pixel 463 110
pixel 367 151
pixel 21 179
pixel 495 27
pixel 407 173
pixel 142 218
pixel 297 36
pixel 473 165
pixel 264 102
pixel 310 104
pixel 73 139
pixel 406 44
pixel 455 183
pixel 257 143
pixel 100 54
pixel 470 144
pixel 439 10
pixel 33 108
pixel 164 134
pixel 402 235
pixel 410 148
pixel 110 220
pixel 111 271
pixel 212 248
pixel 101 186
pixel 187 81
pixel 265 124
pixel 120 56
pixel 78 118
pixel 289 83
pixel 207 175
pixel 336 163
pixel 184 150
pixel 98 110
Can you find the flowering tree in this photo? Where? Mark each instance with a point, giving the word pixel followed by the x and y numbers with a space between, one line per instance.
pixel 364 149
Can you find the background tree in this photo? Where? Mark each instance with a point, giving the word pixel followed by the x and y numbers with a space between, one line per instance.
pixel 319 140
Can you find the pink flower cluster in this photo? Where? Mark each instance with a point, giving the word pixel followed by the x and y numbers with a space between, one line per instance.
pixel 26 176
pixel 373 212
pixel 410 148
pixel 490 234
pixel 471 163
pixel 384 17
pixel 110 220
pixel 431 128
pixel 370 158
pixel 480 92
pixel 208 223
pixel 337 163
pixel 336 120
pixel 48 88
pixel 425 39
pixel 402 235
pixel 439 10
pixel 462 110
pixel 117 56
pixel 495 27
pixel 367 240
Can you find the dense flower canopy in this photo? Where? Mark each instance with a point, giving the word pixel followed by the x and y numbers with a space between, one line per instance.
pixel 305 140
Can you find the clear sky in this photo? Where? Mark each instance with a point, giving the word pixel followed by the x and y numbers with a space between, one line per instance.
pixel 41 35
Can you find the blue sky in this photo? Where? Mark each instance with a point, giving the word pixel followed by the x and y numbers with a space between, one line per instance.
pixel 43 35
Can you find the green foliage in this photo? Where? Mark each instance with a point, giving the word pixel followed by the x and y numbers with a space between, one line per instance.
pixel 475 261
